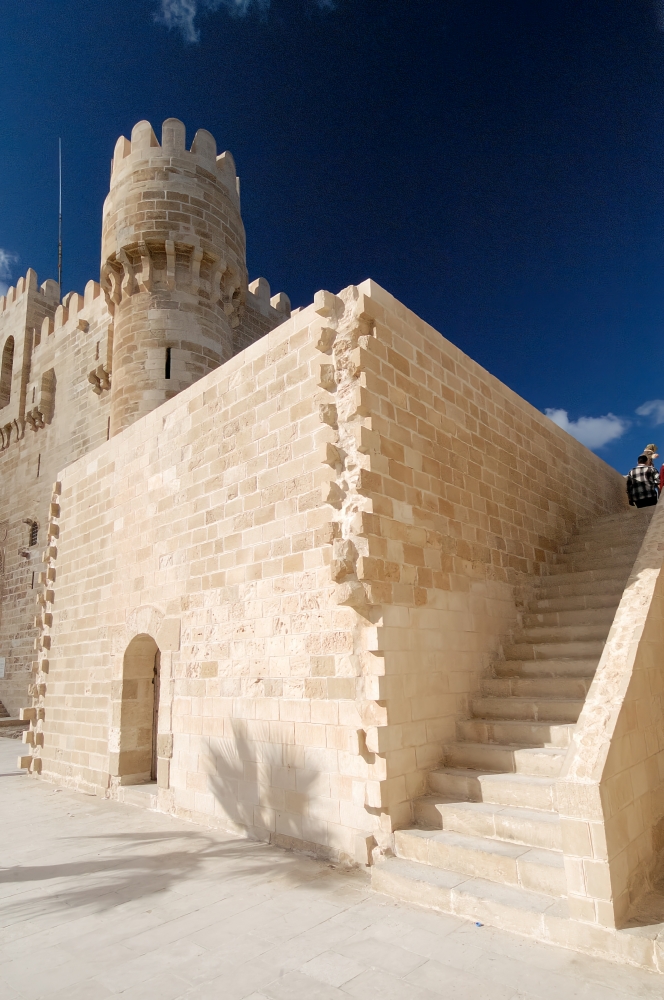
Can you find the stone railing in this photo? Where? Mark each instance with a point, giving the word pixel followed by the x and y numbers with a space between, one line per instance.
pixel 611 790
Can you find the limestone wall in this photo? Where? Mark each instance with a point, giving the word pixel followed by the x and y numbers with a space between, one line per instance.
pixel 204 523
pixel 611 791
pixel 323 538
pixel 58 410
pixel 471 489
pixel 54 415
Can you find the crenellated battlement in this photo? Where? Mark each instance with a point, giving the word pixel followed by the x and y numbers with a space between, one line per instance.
pixel 29 284
pixel 173 303
pixel 172 220
pixel 174 271
pixel 47 338
pixel 144 145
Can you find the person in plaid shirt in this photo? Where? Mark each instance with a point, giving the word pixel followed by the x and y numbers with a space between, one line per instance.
pixel 642 484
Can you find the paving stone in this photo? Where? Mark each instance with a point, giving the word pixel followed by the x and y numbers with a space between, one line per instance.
pixel 454 985
pixel 231 920
pixel 386 955
pixel 332 968
pixel 298 986
pixel 7 993
pixel 374 984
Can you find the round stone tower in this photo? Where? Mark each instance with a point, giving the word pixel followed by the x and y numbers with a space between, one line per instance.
pixel 173 265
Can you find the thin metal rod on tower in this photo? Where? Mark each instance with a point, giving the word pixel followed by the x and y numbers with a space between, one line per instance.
pixel 60 217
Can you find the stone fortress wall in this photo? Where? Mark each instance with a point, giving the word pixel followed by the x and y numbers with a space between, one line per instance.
pixel 66 367
pixel 254 564
pixel 323 538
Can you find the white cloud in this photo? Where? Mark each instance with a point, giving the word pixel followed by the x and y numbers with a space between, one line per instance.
pixel 653 408
pixel 181 14
pixel 659 14
pixel 594 432
pixel 6 261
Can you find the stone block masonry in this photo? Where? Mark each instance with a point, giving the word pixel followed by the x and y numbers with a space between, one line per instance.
pixel 330 529
pixel 268 571
pixel 173 303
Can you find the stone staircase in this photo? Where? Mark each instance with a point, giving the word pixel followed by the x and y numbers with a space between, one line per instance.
pixel 487 839
pixel 10 728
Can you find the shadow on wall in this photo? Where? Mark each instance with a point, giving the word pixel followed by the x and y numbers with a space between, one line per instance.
pixel 649 910
pixel 272 791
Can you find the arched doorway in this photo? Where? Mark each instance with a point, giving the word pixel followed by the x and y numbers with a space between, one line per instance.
pixel 139 715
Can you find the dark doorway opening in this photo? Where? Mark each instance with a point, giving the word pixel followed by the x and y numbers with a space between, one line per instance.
pixel 156 675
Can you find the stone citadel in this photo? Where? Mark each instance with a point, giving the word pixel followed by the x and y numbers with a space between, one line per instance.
pixel 320 579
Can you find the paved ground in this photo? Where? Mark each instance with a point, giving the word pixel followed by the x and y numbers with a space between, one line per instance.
pixel 99 899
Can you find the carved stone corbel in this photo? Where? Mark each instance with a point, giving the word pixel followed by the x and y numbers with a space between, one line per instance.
pixel 111 286
pixel 232 299
pixel 34 418
pixel 216 274
pixel 145 274
pixel 128 279
pixel 170 264
pixel 196 258
pixel 100 379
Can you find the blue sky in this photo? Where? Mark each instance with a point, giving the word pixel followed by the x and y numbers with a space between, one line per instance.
pixel 498 166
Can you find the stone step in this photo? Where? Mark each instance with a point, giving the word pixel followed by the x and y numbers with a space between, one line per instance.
pixel 610 548
pixel 536 687
pixel 580 667
pixel 501 758
pixel 571 617
pixel 576 602
pixel 626 518
pixel 592 632
pixel 524 791
pixel 533 914
pixel 530 791
pixel 584 562
pixel 609 534
pixel 561 575
pixel 537 710
pixel 515 732
pixel 550 587
pixel 619 568
pixel 7 725
pixel 555 650
pixel 144 796
pixel 614 540
pixel 534 869
pixel 516 825
pixel 456 784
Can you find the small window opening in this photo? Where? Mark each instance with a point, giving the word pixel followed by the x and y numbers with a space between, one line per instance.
pixel 6 371
pixel 32 585
pixel 97 352
pixel 38 464
pixel 168 363
pixel 34 533
pixel 34 390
